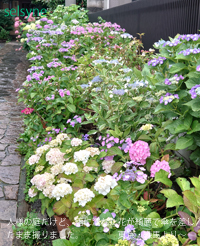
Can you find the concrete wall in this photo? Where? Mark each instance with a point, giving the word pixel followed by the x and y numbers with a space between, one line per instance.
pixel 114 3
pixel 69 2
pixel 95 5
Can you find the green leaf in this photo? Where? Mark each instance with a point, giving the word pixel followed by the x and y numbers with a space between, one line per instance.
pixel 99 236
pixel 194 104
pixel 170 146
pixel 168 192
pixel 183 183
pixel 118 132
pixel 190 196
pixel 144 137
pixel 127 131
pixel 116 167
pixel 137 73
pixel 192 82
pixel 184 142
pixel 59 208
pixel 174 164
pixel 102 242
pixel 195 127
pixel 92 163
pixel 71 108
pixel 174 200
pixel 114 151
pixel 196 182
pixel 123 198
pixel 62 242
pixel 195 157
pixel 115 235
pixel 50 212
pixel 89 177
pixel 32 95
pixel 162 176
pixel 92 132
pixel 67 200
pixel 188 121
pixel 181 128
pixel 175 68
pixel 102 154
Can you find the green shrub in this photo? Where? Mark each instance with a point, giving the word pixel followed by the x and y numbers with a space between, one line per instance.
pixel 3 33
pixel 6 21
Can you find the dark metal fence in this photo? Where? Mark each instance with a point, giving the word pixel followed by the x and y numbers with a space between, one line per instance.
pixel 156 18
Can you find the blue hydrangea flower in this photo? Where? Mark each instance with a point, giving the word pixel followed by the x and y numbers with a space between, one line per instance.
pixel 96 79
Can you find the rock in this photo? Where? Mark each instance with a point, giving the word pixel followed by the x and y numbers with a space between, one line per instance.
pixel 8 210
pixel 11 192
pixel 11 160
pixel 1 192
pixel 10 175
pixel 3 146
pixel 2 155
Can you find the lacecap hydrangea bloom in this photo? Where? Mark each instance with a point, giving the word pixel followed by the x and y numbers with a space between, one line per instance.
pixel 160 165
pixel 83 196
pixel 139 152
pixel 61 190
pixel 169 239
pixel 82 156
pixel 104 184
pixel 55 156
pixel 70 168
pixel 33 159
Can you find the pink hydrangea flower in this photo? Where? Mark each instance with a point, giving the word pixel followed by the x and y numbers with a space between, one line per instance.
pixel 27 111
pixel 139 152
pixel 160 165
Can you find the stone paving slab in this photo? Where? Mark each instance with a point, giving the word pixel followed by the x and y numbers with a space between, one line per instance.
pixel 13 72
pixel 5 236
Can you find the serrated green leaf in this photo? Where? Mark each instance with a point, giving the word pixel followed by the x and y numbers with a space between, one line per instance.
pixel 162 176
pixel 183 183
pixel 184 142
pixel 177 67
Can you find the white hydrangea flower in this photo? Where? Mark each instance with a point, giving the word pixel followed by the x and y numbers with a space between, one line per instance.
pixel 83 196
pixel 39 168
pixel 70 168
pixel 41 181
pixel 42 149
pixel 88 169
pixel 93 151
pixel 62 136
pixel 104 184
pixel 33 159
pixel 82 155
pixel 56 169
pixel 55 156
pixel 31 193
pixel 107 165
pixel 55 142
pixel 64 180
pixel 61 190
pixel 76 142
pixel 74 21
pixel 48 191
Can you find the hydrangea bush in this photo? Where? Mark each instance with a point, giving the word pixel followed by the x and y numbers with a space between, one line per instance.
pixel 99 151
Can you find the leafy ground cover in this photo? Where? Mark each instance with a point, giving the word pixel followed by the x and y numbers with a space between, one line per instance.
pixel 102 121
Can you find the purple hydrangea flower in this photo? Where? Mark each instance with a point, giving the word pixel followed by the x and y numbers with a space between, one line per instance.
pixel 195 91
pixel 168 98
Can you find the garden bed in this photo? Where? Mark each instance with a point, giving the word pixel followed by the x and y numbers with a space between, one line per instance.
pixel 101 118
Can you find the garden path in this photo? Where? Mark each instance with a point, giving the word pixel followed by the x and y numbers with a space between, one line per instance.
pixel 13 72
